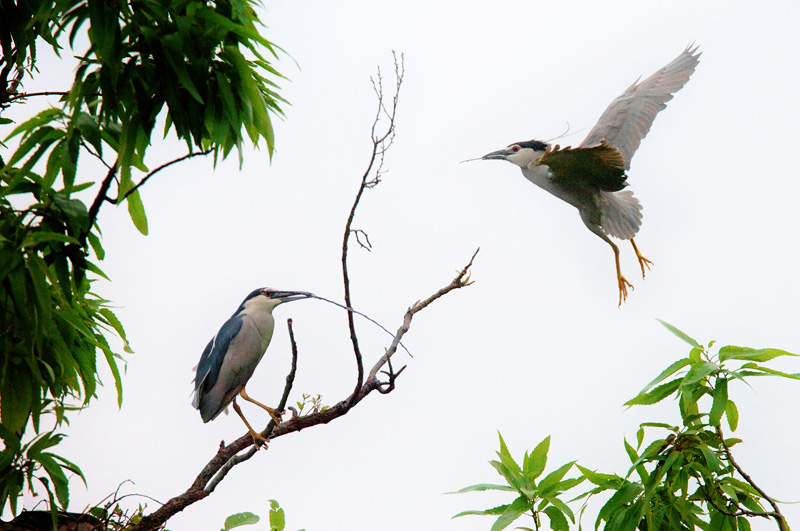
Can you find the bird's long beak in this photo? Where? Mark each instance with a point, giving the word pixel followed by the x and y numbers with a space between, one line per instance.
pixel 500 154
pixel 288 296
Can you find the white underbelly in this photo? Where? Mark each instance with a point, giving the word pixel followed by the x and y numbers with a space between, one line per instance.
pixel 541 176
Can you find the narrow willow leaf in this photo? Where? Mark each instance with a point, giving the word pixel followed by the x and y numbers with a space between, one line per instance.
pixel 669 371
pixel 598 478
pixel 720 402
pixel 494 511
pixel 656 395
pixel 751 354
pixel 732 414
pixel 517 508
pixel 136 210
pixel 555 476
pixel 557 520
pixel 698 371
pixel 482 487
pixel 679 334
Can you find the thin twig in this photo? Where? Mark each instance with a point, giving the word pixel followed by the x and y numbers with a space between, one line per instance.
pixel 163 166
pixel 240 458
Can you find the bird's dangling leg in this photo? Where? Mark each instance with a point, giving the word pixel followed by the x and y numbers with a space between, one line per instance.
pixel 258 439
pixel 274 413
pixel 622 282
pixel 642 260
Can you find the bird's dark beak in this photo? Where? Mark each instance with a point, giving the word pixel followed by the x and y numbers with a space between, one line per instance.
pixel 496 155
pixel 288 296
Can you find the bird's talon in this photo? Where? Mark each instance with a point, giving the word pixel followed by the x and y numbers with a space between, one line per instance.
pixel 258 440
pixel 623 289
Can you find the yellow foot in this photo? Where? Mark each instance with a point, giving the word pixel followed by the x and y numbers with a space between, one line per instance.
pixel 642 260
pixel 623 289
pixel 258 439
pixel 276 415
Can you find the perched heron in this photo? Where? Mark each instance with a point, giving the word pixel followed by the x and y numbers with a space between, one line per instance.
pixel 591 177
pixel 232 355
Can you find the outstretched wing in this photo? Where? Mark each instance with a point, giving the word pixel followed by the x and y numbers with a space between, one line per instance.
pixel 628 119
pixel 581 168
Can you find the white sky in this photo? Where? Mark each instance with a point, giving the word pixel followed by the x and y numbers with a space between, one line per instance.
pixel 537 346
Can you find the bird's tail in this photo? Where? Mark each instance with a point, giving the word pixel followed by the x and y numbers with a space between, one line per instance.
pixel 622 214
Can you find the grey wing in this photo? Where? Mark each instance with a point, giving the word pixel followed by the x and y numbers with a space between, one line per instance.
pixel 628 119
pixel 213 356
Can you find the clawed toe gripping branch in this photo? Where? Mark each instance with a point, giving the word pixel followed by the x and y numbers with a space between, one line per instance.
pixel 242 449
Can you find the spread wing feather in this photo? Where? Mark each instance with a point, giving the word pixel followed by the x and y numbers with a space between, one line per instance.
pixel 628 118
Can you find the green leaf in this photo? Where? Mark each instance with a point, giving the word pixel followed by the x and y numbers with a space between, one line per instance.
pixel 712 461
pixel 669 371
pixel 656 395
pixel 720 402
pixel 240 519
pixel 732 414
pixel 538 459
pixel 506 459
pixel 554 477
pixel 751 354
pixel 277 520
pixel 97 246
pixel 598 478
pixel 136 210
pixel 558 521
pixel 679 334
pixel 765 370
pixel 57 476
pixel 698 371
pixel 517 508
pixel 624 495
pixel 35 237
pixel 483 487
pixel 90 130
pixel 494 511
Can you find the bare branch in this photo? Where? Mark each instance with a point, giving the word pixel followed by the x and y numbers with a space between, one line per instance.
pixel 380 144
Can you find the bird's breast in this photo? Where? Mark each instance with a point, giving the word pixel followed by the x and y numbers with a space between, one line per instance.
pixel 542 176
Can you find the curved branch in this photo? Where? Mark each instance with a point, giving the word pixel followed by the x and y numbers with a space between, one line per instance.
pixel 380 144
pixel 205 480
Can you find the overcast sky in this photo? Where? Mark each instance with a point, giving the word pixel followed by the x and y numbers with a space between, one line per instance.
pixel 537 346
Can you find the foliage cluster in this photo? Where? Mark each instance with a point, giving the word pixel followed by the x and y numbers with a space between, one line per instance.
pixel 199 67
pixel 685 477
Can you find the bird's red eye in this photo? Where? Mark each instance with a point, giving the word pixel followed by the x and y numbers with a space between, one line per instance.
pixel 514 148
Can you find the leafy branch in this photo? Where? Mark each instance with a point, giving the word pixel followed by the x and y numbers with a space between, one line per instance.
pixel 683 479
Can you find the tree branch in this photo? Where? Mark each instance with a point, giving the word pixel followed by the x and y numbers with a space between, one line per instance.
pixel 776 514
pixel 380 144
pixel 163 166
pixel 206 481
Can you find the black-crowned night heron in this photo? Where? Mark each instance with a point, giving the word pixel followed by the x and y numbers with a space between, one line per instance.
pixel 592 176
pixel 232 355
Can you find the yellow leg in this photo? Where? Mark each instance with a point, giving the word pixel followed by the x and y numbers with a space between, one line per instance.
pixel 642 260
pixel 258 440
pixel 622 282
pixel 272 411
